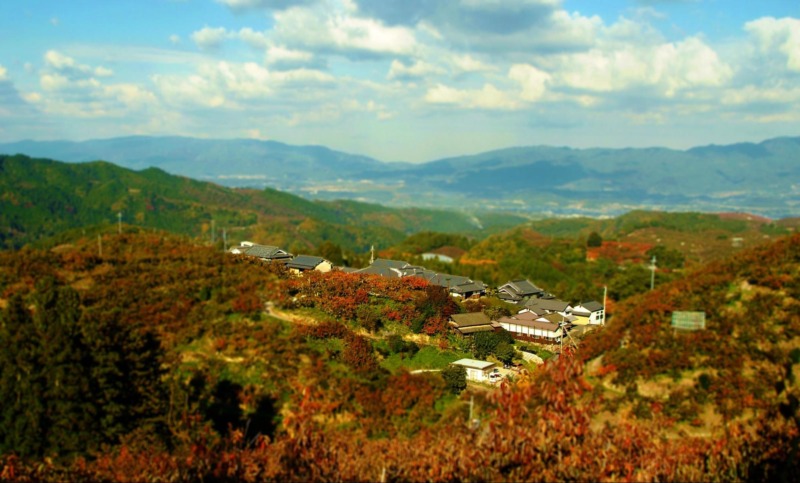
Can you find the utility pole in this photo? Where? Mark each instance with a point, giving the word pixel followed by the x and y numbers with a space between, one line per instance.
pixel 652 272
pixel 119 222
pixel 605 295
pixel 372 254
pixel 471 404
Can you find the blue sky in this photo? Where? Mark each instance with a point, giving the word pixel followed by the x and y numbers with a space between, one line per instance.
pixel 412 81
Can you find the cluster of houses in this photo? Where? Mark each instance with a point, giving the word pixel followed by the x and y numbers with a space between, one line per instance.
pixel 542 317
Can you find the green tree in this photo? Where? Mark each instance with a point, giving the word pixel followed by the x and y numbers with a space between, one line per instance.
pixel 505 352
pixel 455 377
pixel 331 252
pixel 594 240
pixel 69 382
pixel 22 423
pixel 667 257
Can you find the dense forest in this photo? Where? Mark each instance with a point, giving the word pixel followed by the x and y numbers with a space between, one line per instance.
pixel 163 360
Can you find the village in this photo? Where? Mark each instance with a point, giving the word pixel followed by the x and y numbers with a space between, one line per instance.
pixel 541 317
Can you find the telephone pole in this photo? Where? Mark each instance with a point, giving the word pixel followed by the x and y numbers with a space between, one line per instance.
pixel 605 295
pixel 119 222
pixel 652 272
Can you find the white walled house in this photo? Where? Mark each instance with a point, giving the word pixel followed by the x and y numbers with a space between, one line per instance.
pixel 588 313
pixel 537 328
pixel 477 371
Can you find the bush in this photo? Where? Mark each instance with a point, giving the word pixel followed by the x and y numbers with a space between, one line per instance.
pixel 455 377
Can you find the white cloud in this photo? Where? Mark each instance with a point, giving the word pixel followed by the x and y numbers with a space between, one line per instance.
pixel 783 35
pixel 240 85
pixel 257 40
pixel 277 54
pixel 189 91
pixel 668 67
pixel 419 69
pixel 784 96
pixel 532 81
pixel 3 73
pixel 175 39
pixel 488 97
pixel 209 38
pixel 342 33
pixel 267 4
pixel 67 67
pixel 466 63
pixel 303 76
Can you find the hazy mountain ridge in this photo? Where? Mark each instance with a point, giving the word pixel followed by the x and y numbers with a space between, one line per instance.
pixel 42 198
pixel 753 177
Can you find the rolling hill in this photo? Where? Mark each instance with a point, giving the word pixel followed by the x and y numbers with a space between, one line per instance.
pixel 751 177
pixel 42 198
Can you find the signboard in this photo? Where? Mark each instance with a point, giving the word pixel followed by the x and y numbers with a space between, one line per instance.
pixel 689 320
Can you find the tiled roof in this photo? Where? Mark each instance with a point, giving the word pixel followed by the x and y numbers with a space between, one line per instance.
pixel 552 305
pixel 535 324
pixel 305 262
pixel 591 306
pixel 265 251
pixel 470 319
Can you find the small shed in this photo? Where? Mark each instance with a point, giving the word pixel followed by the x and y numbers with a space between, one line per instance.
pixel 477 371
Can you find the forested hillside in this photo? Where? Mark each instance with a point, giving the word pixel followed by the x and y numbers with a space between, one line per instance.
pixel 43 198
pixel 168 345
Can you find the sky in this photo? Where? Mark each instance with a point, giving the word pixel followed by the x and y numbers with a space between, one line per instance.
pixel 410 80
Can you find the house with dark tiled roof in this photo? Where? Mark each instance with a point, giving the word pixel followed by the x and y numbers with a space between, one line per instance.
pixel 548 306
pixel 588 313
pixel 304 263
pixel 389 268
pixel 471 323
pixel 455 284
pixel 264 252
pixel 516 291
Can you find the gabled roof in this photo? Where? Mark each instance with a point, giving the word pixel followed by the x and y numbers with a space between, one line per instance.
pixel 267 252
pixel 527 316
pixel 590 306
pixel 535 324
pixel 553 318
pixel 445 280
pixel 305 262
pixel 550 305
pixel 474 364
pixel 470 319
pixel 383 271
pixel 386 263
pixel 520 288
pixel 469 288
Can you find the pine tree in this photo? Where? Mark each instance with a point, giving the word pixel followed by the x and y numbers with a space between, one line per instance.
pixel 21 387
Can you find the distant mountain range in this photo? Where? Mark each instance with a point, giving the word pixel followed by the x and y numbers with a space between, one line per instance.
pixel 762 178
